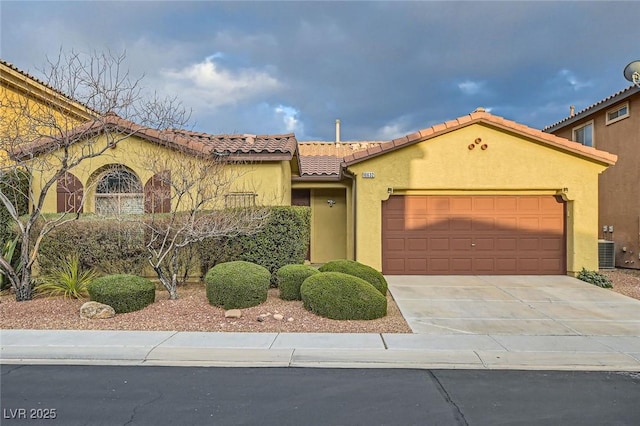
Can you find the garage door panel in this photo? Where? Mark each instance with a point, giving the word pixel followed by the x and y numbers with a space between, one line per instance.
pixel 438 244
pixel 484 265
pixel 484 224
pixel 394 224
pixel 473 235
pixel 505 265
pixel 417 244
pixel 551 244
pixel 461 244
pixel 417 266
pixel 461 224
pixel 506 244
pixel 528 244
pixel 394 244
pixel 461 265
pixel 484 244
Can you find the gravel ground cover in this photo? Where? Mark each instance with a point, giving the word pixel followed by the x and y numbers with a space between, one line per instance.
pixel 625 281
pixel 192 312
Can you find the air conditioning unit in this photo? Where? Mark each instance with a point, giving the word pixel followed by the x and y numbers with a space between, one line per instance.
pixel 606 254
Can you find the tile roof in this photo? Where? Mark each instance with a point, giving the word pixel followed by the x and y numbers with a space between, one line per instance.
pixel 262 147
pixel 604 103
pixel 242 144
pixel 481 116
pixel 324 158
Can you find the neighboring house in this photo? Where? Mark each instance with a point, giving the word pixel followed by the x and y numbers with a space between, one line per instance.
pixel 475 195
pixel 613 125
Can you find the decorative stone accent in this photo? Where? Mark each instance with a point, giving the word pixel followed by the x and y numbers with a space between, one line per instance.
pixel 96 310
pixel 233 313
pixel 290 319
pixel 278 317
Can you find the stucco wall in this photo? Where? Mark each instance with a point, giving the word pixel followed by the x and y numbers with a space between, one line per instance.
pixel 270 180
pixel 619 201
pixel 510 165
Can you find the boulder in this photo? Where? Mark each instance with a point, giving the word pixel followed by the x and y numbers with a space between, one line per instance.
pixel 233 313
pixel 96 310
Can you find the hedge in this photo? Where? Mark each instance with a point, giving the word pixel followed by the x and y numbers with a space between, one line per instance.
pixel 124 293
pixel 110 246
pixel 114 246
pixel 283 240
pixel 235 285
pixel 341 296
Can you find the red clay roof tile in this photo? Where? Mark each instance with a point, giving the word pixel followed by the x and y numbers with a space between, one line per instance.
pixel 192 142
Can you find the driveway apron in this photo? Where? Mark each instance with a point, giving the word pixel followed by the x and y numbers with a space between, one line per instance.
pixel 513 305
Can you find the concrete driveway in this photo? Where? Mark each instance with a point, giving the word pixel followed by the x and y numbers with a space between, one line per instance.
pixel 513 305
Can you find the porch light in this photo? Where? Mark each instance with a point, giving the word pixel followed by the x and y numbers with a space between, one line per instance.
pixel 632 73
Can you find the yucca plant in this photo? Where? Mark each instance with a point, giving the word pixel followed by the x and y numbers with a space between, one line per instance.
pixel 68 280
pixel 9 253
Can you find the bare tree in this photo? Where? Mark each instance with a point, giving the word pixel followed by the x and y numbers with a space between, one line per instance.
pixel 45 137
pixel 189 200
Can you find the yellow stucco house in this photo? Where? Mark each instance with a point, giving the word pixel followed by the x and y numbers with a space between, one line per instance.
pixel 476 195
pixel 25 100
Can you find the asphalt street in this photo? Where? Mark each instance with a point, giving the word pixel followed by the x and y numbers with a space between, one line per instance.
pixel 151 395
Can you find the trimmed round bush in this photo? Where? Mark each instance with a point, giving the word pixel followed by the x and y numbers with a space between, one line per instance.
pixel 359 270
pixel 289 278
pixel 341 296
pixel 123 292
pixel 239 284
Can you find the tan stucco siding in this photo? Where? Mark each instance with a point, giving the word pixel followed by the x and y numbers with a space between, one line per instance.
pixel 508 165
pixel 267 179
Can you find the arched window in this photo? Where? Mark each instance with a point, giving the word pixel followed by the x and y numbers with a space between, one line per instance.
pixel 119 191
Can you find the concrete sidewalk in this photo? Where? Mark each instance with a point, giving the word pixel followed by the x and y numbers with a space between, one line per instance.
pixel 444 351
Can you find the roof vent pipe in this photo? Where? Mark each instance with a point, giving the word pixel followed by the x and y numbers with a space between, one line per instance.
pixel 572 111
pixel 337 131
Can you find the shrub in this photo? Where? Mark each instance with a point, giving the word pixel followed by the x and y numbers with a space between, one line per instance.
pixel 124 293
pixel 289 278
pixel 595 278
pixel 341 296
pixel 110 246
pixel 238 284
pixel 68 280
pixel 282 241
pixel 359 270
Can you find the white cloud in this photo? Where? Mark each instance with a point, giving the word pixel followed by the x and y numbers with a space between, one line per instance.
pixel 469 87
pixel 289 117
pixel 207 83
pixel 393 130
pixel 572 79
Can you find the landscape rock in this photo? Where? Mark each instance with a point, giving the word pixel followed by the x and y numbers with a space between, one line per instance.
pixel 260 318
pixel 278 317
pixel 290 319
pixel 233 313
pixel 96 310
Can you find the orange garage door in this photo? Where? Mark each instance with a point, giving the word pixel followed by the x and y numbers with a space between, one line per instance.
pixel 458 235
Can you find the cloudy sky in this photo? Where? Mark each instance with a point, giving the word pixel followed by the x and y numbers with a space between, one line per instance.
pixel 385 69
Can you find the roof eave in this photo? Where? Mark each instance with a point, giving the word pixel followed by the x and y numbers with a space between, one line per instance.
pixel 581 115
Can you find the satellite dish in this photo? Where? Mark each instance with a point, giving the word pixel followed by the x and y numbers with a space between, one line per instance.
pixel 632 72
